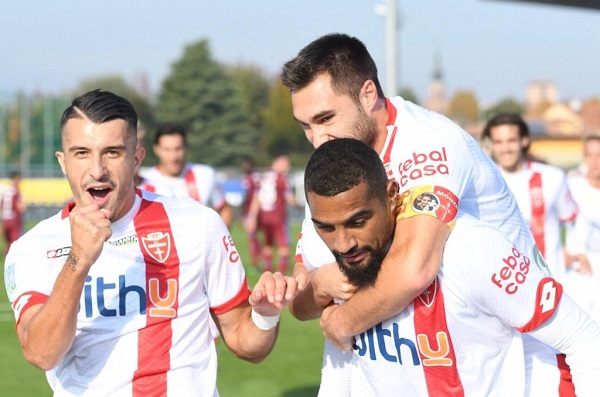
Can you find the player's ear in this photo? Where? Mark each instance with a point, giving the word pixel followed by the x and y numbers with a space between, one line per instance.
pixel 368 95
pixel 60 156
pixel 392 193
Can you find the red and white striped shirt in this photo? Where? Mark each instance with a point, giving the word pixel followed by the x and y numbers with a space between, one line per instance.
pixel 142 327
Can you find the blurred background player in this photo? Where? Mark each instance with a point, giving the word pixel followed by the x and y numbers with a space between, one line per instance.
pixel 269 209
pixel 583 241
pixel 12 209
pixel 174 177
pixel 250 184
pixel 541 189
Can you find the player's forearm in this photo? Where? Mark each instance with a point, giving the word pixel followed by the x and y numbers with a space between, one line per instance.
pixel 397 285
pixel 571 331
pixel 254 344
pixel 227 215
pixel 308 304
pixel 48 334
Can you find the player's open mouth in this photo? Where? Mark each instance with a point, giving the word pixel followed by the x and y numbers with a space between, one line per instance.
pixel 99 194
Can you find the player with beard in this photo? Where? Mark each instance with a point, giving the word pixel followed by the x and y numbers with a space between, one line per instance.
pixel 462 335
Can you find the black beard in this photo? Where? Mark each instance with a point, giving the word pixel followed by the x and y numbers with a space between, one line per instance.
pixel 363 276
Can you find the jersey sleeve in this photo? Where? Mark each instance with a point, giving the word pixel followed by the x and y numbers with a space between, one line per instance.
pixel 567 209
pixel 226 283
pixel 572 332
pixel 505 281
pixel 217 196
pixel 26 281
pixel 435 171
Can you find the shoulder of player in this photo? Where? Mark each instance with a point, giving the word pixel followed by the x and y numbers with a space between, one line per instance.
pixel 201 168
pixel 548 170
pixel 43 235
pixel 474 240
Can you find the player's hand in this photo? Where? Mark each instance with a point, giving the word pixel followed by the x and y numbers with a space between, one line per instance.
pixel 90 228
pixel 329 324
pixel 330 281
pixel 583 265
pixel 250 224
pixel 273 293
pixel 300 273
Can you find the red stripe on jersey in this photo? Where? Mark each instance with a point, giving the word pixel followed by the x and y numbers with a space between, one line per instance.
pixel 391 111
pixel 67 210
pixel 566 388
pixel 190 184
pixel 240 297
pixel 546 301
pixel 385 158
pixel 26 301
pixel 162 284
pixel 435 344
pixel 538 212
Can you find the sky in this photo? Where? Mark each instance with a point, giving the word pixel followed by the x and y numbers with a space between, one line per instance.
pixel 494 48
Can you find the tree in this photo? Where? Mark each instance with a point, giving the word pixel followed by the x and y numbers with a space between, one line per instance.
pixel 463 107
pixel 506 105
pixel 408 94
pixel 201 95
pixel 282 133
pixel 253 87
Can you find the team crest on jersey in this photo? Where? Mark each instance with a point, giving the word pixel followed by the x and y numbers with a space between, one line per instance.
pixel 157 245
pixel 428 296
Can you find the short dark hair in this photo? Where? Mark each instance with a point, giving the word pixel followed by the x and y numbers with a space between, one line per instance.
pixel 100 107
pixel 170 128
pixel 340 164
pixel 507 119
pixel 344 58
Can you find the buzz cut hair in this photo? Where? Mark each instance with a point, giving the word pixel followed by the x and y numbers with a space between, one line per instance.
pixel 341 164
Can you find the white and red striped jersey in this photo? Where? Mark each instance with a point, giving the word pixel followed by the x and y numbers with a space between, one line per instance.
pixel 427 153
pixel 198 181
pixel 545 202
pixel 142 326
pixel 584 238
pixel 462 336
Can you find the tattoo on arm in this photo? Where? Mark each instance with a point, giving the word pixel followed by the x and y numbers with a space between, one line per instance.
pixel 72 261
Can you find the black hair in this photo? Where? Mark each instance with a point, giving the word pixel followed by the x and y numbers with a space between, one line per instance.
pixel 344 58
pixel 170 128
pixel 340 164
pixel 100 107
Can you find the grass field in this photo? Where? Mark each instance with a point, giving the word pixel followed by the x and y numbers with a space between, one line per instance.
pixel 291 370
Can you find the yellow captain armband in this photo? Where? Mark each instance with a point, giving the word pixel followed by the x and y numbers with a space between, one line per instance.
pixel 429 200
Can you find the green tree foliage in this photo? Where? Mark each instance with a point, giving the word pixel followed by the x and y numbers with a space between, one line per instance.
pixel 408 94
pixel 506 105
pixel 282 133
pixel 200 94
pixel 253 88
pixel 463 107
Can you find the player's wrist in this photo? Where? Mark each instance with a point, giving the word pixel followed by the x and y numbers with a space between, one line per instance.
pixel 264 322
